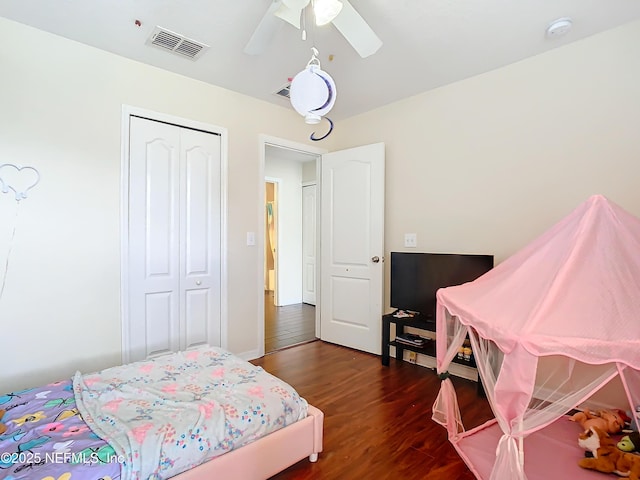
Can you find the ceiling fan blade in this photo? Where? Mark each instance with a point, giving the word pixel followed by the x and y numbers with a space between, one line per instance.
pixel 291 10
pixel 356 30
pixel 289 15
pixel 265 31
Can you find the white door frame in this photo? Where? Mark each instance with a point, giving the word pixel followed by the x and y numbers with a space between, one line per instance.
pixel 263 142
pixel 128 111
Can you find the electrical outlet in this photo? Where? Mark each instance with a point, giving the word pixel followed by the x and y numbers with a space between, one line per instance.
pixel 410 240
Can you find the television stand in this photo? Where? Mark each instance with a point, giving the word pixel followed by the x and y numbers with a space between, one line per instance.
pixel 428 349
pixel 416 321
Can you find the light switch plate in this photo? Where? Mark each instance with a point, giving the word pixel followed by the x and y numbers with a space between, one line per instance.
pixel 251 238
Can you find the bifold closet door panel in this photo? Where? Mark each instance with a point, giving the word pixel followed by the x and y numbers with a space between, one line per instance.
pixel 174 238
pixel 200 208
pixel 154 265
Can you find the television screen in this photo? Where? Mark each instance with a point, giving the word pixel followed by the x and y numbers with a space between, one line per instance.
pixel 415 277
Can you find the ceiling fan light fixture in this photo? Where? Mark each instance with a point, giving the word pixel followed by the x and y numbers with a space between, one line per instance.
pixel 326 10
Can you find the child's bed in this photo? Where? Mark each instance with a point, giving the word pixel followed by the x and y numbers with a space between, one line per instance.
pixel 198 414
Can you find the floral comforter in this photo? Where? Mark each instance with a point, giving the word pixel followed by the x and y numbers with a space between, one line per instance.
pixel 46 438
pixel 166 415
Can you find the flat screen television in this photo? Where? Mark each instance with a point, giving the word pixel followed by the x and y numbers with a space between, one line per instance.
pixel 415 277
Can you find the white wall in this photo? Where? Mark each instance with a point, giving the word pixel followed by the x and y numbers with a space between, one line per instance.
pixel 289 249
pixel 309 172
pixel 60 112
pixel 483 165
pixel 487 164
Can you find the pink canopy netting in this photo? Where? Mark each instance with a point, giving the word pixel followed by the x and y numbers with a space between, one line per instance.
pixel 570 298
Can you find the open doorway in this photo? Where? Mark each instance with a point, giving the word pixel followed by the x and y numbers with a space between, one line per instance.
pixel 290 241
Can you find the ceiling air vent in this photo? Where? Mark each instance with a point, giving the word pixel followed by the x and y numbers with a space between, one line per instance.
pixel 178 44
pixel 284 91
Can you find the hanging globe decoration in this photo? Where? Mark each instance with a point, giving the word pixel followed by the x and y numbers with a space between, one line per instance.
pixel 313 93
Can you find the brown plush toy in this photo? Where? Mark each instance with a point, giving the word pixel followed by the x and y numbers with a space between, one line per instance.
pixel 607 458
pixel 3 427
pixel 611 421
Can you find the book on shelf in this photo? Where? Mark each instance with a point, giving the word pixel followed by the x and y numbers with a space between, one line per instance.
pixel 411 339
pixel 404 314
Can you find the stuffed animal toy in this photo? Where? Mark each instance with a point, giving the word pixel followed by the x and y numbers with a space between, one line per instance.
pixel 607 458
pixel 3 427
pixel 610 421
pixel 629 443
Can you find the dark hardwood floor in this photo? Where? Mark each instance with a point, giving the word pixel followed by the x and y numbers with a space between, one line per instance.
pixel 377 419
pixel 287 325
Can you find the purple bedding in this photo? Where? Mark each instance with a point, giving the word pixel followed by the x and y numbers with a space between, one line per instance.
pixel 47 438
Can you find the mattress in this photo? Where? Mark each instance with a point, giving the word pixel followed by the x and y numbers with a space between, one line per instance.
pixel 149 419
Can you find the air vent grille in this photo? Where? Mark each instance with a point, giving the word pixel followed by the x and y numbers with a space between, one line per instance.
pixel 284 91
pixel 189 48
pixel 176 43
pixel 166 40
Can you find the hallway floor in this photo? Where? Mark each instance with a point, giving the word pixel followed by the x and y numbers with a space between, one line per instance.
pixel 288 325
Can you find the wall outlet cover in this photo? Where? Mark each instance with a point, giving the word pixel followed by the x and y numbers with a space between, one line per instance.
pixel 410 240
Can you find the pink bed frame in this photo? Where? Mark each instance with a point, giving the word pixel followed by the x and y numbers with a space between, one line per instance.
pixel 268 455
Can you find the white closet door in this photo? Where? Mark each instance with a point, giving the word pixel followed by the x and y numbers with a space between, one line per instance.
pixel 154 172
pixel 174 238
pixel 200 239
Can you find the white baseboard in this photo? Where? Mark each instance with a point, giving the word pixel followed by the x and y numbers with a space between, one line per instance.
pixel 250 355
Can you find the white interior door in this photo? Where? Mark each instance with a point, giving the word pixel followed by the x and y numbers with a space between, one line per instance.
pixel 174 271
pixel 309 244
pixel 352 247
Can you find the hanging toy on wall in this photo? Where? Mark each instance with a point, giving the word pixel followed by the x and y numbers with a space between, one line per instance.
pixel 313 93
pixel 18 181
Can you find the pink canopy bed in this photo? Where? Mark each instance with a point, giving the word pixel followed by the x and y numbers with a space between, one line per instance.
pixel 549 327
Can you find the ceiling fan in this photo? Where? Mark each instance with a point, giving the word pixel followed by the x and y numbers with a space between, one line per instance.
pixel 339 12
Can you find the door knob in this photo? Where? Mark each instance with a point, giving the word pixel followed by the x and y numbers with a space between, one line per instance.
pixel 375 259
pixel 198 282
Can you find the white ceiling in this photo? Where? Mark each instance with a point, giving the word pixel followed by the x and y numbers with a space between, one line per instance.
pixel 426 43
